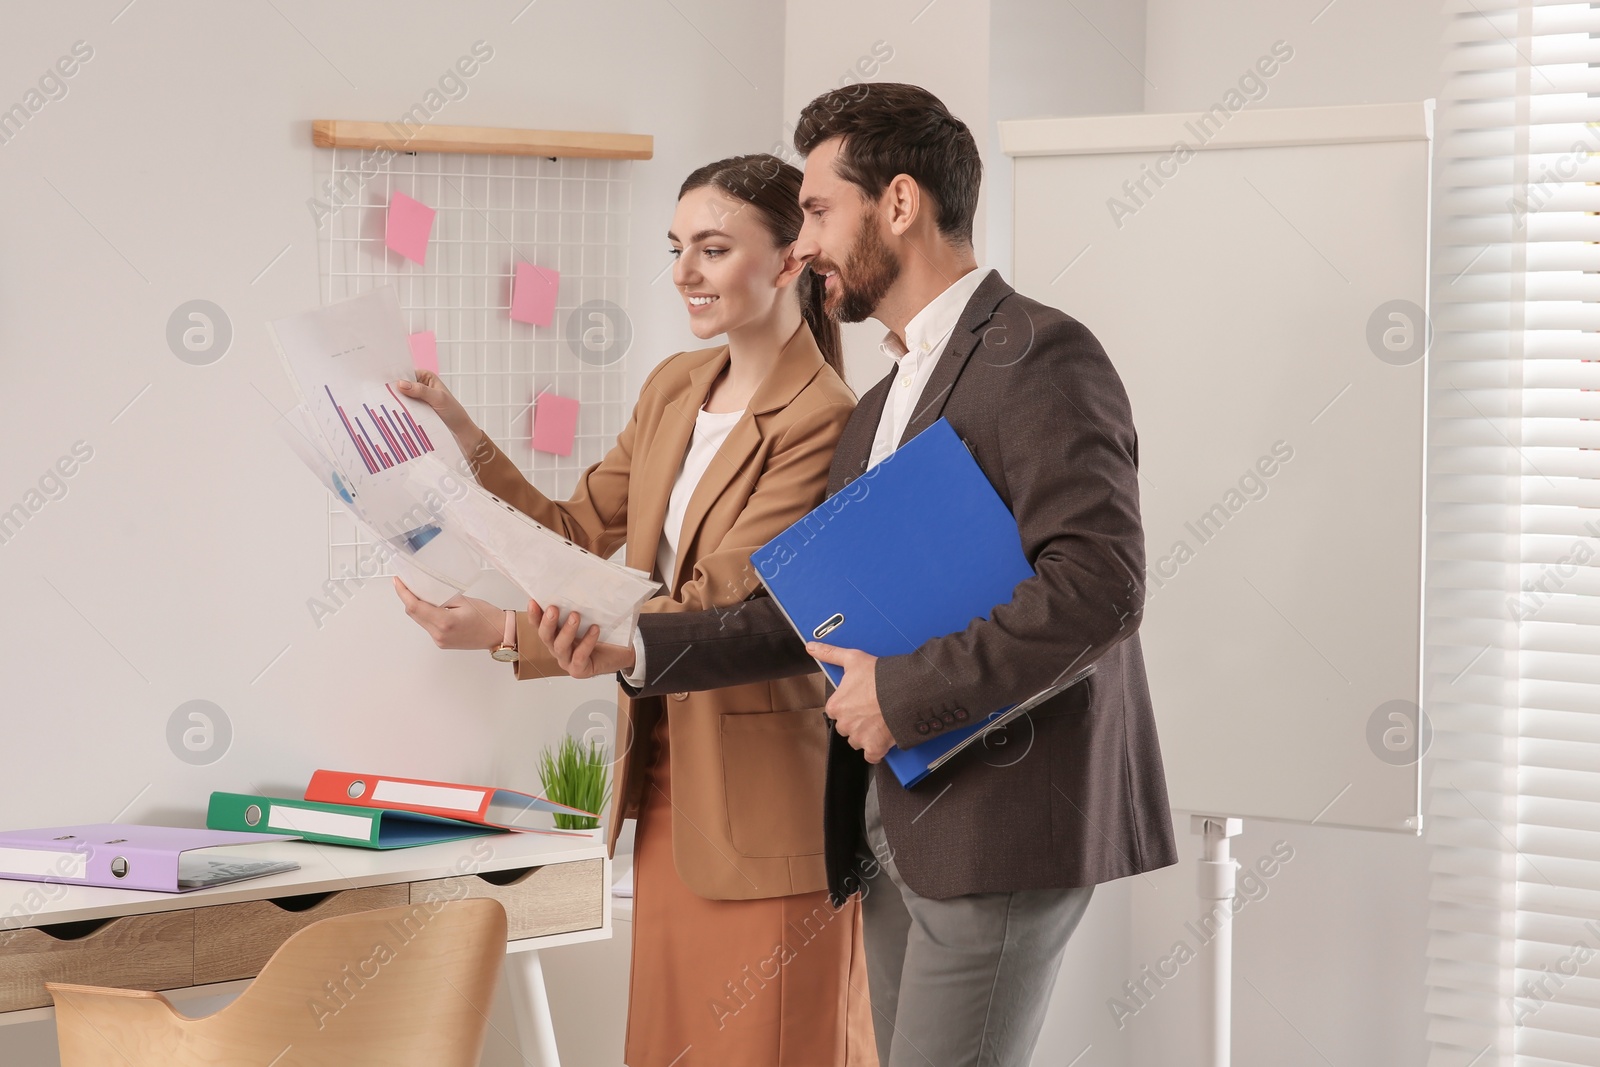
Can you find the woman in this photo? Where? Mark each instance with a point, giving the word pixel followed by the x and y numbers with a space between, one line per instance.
pixel 738 957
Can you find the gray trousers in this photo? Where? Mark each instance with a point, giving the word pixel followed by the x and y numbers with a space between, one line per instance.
pixel 961 982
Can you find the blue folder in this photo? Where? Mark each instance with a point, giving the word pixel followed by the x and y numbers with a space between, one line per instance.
pixel 916 548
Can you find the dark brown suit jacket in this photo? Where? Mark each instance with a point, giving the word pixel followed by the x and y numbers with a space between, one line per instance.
pixel 1075 794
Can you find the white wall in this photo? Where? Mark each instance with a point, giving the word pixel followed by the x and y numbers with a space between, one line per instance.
pixel 1049 60
pixel 179 562
pixel 1346 52
pixel 942 46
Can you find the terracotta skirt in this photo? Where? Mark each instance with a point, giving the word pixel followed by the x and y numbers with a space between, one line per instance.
pixel 776 982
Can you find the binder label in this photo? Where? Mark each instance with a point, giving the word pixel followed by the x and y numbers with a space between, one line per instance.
pixel 415 794
pixel 42 863
pixel 332 823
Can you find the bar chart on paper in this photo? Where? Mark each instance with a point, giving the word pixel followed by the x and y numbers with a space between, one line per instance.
pixel 345 359
pixel 395 429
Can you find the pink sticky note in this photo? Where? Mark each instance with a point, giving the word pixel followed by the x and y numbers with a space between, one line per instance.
pixel 407 227
pixel 555 422
pixel 533 294
pixel 425 351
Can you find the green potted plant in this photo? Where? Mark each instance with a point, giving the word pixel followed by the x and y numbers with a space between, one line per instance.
pixel 577 774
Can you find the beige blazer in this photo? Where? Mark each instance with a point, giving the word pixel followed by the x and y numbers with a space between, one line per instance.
pixel 747 761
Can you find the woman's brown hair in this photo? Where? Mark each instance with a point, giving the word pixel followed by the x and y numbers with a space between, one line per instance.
pixel 772 187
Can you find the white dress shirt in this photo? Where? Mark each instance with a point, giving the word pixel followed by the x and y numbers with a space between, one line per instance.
pixel 927 334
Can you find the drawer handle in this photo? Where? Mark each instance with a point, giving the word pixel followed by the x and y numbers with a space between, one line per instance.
pixel 303 902
pixel 75 931
pixel 509 877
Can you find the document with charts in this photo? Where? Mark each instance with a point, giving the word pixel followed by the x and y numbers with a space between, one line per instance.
pixel 397 470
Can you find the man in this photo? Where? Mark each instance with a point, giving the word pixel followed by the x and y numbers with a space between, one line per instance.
pixel 993 859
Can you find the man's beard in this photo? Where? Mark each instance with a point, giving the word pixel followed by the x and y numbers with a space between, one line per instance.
pixel 869 271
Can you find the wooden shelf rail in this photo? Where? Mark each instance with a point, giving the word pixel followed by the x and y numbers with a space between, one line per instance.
pixel 486 140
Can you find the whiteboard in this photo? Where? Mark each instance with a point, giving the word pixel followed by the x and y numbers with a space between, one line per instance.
pixel 1261 296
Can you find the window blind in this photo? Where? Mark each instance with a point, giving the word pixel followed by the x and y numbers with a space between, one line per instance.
pixel 1513 652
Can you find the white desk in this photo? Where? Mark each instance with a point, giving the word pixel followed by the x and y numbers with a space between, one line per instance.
pixel 561 896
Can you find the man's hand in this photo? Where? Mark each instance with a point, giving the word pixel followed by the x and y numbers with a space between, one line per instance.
pixel 583 657
pixel 853 707
pixel 460 622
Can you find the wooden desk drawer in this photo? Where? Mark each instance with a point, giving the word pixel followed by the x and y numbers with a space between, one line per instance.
pixel 552 899
pixel 233 941
pixel 132 952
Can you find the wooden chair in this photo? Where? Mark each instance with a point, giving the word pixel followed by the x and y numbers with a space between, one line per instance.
pixel 409 986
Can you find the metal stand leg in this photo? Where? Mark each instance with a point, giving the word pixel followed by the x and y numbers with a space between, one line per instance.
pixel 536 1031
pixel 1218 871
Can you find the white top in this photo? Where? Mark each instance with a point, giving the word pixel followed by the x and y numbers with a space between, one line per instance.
pixel 926 335
pixel 711 428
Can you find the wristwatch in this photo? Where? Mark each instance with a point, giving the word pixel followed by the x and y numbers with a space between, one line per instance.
pixel 507 652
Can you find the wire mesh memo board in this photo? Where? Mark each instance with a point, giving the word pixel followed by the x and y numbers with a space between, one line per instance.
pixel 491 211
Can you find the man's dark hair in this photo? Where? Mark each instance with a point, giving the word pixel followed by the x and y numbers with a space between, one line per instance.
pixel 890 128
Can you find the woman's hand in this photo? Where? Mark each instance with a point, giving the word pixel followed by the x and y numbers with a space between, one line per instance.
pixel 583 658
pixel 432 391
pixel 461 622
